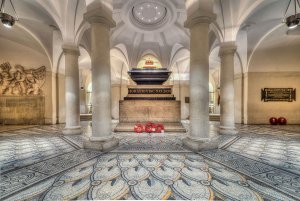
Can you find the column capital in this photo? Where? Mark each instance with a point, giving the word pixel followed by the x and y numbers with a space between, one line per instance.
pixel 227 48
pixel 199 18
pixel 100 15
pixel 71 49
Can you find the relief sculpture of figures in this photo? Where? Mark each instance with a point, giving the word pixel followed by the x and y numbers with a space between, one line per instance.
pixel 21 81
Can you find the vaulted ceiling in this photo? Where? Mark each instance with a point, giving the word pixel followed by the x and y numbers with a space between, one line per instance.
pixel 146 26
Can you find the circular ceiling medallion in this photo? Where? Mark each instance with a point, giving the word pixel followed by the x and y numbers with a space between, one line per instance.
pixel 149 13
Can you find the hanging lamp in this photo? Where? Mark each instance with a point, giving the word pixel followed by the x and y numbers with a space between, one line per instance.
pixel 8 20
pixel 292 21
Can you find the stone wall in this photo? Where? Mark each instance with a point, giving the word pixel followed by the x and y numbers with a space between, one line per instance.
pixel 149 110
pixel 258 111
pixel 22 110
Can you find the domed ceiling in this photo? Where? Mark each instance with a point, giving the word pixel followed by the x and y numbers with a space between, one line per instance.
pixel 149 27
pixel 149 13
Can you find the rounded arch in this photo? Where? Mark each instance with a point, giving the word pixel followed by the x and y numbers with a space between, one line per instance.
pixel 180 54
pixel 59 62
pixel 149 52
pixel 149 60
pixel 83 27
pixel 50 10
pixel 246 14
pixel 215 28
pixel 259 43
pixel 120 52
pixel 39 42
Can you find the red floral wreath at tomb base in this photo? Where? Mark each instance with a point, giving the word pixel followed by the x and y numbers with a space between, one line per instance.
pixel 149 128
pixel 138 128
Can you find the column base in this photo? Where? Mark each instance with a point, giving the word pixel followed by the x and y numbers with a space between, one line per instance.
pixel 200 145
pixel 100 144
pixel 74 130
pixel 228 130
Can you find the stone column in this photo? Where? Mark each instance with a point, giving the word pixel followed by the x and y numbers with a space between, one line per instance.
pixel 227 123
pixel 101 22
pixel 198 138
pixel 72 53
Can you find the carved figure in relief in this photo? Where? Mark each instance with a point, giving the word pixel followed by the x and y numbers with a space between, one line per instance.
pixel 36 79
pixel 6 83
pixel 21 82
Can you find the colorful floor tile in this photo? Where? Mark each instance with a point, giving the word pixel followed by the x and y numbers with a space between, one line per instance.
pixel 39 163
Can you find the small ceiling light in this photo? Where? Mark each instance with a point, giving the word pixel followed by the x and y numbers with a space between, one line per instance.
pixel 292 21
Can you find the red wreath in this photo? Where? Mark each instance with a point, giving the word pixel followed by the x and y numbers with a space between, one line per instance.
pixel 138 128
pixel 149 127
pixel 159 128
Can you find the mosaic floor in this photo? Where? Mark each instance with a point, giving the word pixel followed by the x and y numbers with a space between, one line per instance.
pixel 41 164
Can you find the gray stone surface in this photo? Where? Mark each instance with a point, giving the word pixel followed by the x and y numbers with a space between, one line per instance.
pixel 197 145
pixel 104 146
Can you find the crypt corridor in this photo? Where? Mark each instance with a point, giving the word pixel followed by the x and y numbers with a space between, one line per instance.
pixel 150 100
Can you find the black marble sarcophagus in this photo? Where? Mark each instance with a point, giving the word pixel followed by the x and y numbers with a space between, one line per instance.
pixel 149 76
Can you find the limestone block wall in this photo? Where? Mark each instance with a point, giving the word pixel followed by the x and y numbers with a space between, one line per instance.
pixel 259 112
pixel 146 110
pixel 29 110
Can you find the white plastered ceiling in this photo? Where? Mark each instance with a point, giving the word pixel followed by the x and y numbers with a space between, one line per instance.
pixel 258 20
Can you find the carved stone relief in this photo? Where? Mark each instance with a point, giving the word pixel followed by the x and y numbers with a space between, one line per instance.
pixel 21 82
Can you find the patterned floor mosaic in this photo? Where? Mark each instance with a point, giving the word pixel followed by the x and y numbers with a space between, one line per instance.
pixel 38 163
pixel 22 178
pixel 290 131
pixel 278 179
pixel 20 150
pixel 151 143
pixel 280 153
pixel 150 176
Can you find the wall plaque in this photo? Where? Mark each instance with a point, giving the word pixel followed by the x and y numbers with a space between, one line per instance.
pixel 278 94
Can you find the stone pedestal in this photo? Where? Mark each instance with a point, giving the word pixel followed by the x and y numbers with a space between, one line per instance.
pixel 149 110
pixel 154 103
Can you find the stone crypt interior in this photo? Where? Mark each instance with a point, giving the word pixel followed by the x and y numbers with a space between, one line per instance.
pixel 79 78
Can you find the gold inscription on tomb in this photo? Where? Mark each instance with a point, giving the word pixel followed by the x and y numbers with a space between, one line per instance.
pixel 150 91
